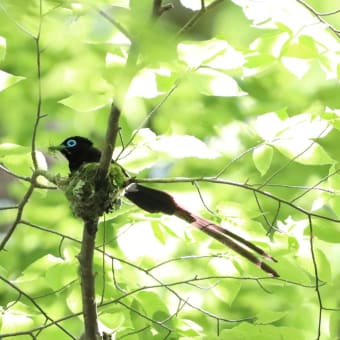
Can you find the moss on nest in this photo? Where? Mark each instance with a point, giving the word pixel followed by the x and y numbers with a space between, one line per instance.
pixel 90 199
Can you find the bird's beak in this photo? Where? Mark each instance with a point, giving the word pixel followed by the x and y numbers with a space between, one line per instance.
pixel 55 148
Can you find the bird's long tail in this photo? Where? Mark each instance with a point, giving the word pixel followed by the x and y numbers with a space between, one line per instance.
pixel 153 200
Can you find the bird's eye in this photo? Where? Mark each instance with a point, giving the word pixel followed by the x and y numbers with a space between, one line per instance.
pixel 71 143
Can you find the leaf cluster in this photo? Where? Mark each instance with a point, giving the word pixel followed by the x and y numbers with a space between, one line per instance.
pixel 240 97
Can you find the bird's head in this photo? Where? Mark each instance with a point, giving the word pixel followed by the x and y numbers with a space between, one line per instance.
pixel 77 150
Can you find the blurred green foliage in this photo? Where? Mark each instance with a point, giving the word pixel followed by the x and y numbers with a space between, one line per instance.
pixel 257 102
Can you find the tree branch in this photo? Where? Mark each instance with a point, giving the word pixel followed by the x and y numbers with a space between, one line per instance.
pixel 21 207
pixel 37 306
pixel 88 281
pixel 110 140
pixel 39 100
pixel 319 17
pixel 235 184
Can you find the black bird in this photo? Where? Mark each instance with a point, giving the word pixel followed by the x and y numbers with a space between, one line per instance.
pixel 80 150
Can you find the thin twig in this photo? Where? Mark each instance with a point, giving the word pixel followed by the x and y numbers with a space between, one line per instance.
pixel 329 13
pixel 39 99
pixel 316 273
pixel 236 184
pixel 24 178
pixel 148 116
pixel 116 24
pixel 314 187
pixel 37 306
pixel 21 207
pixel 197 16
pixel 319 17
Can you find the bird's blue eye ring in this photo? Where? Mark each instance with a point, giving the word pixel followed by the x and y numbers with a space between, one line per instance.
pixel 71 143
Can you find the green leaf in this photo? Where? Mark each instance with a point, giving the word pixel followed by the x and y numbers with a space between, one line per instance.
pixel 197 53
pixel 158 232
pixel 270 43
pixel 60 274
pixel 304 47
pixel 152 303
pixel 2 48
pixel 249 331
pixel 215 83
pixel 147 76
pixel 330 144
pixel 73 300
pixel 297 66
pixel 189 328
pixel 228 293
pixel 259 60
pixel 177 146
pixel 138 322
pixel 303 151
pixel 169 231
pixel 324 268
pixel 334 325
pixel 9 149
pixel 150 148
pixel 83 102
pixel 329 94
pixel 294 137
pixel 325 230
pixel 7 80
pixel 269 316
pixel 18 159
pixel 113 320
pixel 17 318
pixel 262 157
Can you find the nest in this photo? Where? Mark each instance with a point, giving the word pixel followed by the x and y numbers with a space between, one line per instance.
pixel 90 198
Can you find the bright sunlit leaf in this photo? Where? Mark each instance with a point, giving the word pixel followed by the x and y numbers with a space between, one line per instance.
pixel 7 80
pixel 9 149
pixel 82 102
pixel 16 319
pixel 304 47
pixel 195 53
pixel 268 125
pixel 183 146
pixel 298 67
pixel 216 83
pixel 190 328
pixel 230 293
pixel 73 300
pixel 303 151
pixel 262 157
pixel 271 43
pixel 295 136
pixel 149 148
pixel 146 76
pixel 259 60
pixel 195 5
pixel 137 158
pixel 255 104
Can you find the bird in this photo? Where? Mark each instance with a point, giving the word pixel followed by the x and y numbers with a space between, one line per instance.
pixel 80 150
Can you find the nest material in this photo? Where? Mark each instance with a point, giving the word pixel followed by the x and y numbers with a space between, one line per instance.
pixel 90 199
